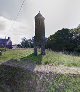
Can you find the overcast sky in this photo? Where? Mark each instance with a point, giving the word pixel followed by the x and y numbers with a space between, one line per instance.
pixel 58 14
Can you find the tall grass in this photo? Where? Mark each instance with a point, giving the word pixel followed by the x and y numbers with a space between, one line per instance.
pixel 65 83
pixel 51 57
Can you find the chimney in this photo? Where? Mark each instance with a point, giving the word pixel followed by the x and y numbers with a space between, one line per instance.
pixel 8 38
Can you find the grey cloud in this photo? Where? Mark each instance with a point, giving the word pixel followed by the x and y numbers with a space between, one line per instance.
pixel 57 13
pixel 9 7
pixel 2 26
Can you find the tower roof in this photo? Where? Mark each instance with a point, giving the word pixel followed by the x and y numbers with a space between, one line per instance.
pixel 39 15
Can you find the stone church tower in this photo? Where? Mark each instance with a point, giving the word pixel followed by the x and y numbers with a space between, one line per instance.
pixel 39 39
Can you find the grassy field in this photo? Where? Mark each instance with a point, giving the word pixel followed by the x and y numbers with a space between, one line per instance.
pixel 65 83
pixel 56 58
pixel 59 82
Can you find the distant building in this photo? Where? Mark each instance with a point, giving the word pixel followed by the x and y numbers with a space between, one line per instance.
pixel 6 43
pixel 15 46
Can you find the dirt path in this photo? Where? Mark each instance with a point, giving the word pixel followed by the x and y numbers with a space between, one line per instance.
pixel 58 69
pixel 43 68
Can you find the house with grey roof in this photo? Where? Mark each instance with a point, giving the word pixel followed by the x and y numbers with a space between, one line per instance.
pixel 6 43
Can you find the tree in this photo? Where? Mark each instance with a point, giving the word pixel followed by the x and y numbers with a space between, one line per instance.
pixel 76 33
pixel 19 46
pixel 27 43
pixel 24 43
pixel 61 40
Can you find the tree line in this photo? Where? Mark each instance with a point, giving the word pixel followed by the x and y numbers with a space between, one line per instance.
pixel 65 40
pixel 62 40
pixel 26 43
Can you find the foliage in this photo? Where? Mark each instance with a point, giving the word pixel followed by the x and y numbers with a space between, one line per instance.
pixel 65 40
pixel 19 46
pixel 26 43
pixel 61 40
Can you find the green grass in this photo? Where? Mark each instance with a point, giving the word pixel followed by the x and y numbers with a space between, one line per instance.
pixel 65 83
pixel 2 49
pixel 59 82
pixel 19 79
pixel 51 57
pixel 15 54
